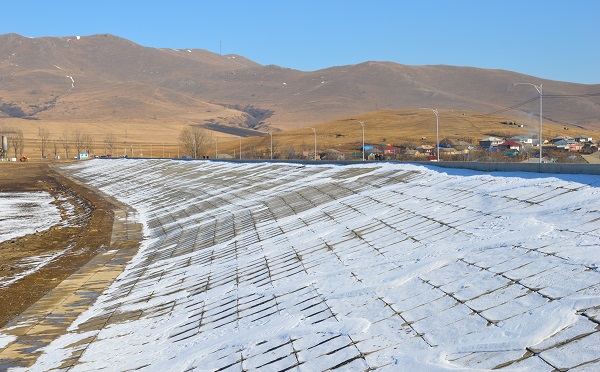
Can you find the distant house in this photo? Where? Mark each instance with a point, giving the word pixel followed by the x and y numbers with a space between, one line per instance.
pixel 389 150
pixel 560 144
pixel 425 149
pixel 522 139
pixel 575 146
pixel 448 151
pixel 490 142
pixel 413 153
pixel 562 138
pixel 510 146
pixel 582 138
pixel 462 146
pixel 373 150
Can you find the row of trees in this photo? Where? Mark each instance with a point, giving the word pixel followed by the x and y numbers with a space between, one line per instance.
pixel 76 140
pixel 195 141
pixel 80 141
pixel 198 142
pixel 16 141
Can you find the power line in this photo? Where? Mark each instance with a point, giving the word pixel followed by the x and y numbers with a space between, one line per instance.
pixel 510 108
pixel 537 98
pixel 570 95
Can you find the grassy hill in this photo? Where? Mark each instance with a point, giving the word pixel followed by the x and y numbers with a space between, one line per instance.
pixel 103 84
pixel 409 128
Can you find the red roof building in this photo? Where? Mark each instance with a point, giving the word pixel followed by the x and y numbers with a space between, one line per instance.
pixel 510 145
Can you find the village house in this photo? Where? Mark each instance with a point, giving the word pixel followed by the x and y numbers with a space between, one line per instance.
pixel 413 153
pixel 461 146
pixel 525 140
pixel 566 139
pixel 510 146
pixel 447 151
pixel 389 150
pixel 425 149
pixel 490 142
pixel 560 144
pixel 582 138
pixel 575 146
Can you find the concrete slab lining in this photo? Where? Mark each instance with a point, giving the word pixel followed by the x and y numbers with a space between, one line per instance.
pixel 287 267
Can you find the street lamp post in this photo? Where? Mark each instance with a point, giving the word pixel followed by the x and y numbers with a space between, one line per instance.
pixel 539 90
pixel 315 132
pixel 240 138
pixel 362 124
pixel 437 132
pixel 271 135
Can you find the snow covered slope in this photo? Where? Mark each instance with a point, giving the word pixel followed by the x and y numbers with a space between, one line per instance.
pixel 376 266
pixel 25 213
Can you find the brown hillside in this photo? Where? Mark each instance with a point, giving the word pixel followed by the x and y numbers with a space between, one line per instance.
pixel 103 83
pixel 395 127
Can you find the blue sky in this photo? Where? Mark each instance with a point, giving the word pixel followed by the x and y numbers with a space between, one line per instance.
pixel 557 40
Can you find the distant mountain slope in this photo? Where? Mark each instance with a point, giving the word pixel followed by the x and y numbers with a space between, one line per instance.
pixel 104 78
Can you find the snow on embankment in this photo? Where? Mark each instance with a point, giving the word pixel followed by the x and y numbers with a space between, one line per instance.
pixel 283 266
pixel 25 213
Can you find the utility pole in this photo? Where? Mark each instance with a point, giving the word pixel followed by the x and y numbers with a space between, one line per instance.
pixel 362 124
pixel 539 90
pixel 315 132
pixel 437 135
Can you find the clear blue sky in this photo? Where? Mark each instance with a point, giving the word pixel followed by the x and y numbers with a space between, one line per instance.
pixel 551 39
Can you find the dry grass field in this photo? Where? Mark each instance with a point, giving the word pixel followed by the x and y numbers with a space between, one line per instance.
pixel 399 128
pixel 411 128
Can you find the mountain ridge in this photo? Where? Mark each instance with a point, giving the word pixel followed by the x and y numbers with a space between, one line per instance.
pixel 103 78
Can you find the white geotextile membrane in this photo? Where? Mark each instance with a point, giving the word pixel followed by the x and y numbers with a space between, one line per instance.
pixel 25 213
pixel 269 266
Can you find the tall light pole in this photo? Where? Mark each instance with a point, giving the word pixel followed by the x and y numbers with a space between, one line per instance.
pixel 315 132
pixel 270 134
pixel 216 147
pixel 362 124
pixel 539 90
pixel 240 138
pixel 437 132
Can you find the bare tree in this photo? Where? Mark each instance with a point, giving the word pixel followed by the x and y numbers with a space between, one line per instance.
pixel 195 141
pixel 55 147
pixel 288 152
pixel 21 143
pixel 78 140
pixel 17 142
pixel 66 144
pixel 44 135
pixel 110 139
pixel 88 143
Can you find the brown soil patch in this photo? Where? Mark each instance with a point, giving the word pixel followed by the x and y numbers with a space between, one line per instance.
pixel 87 234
